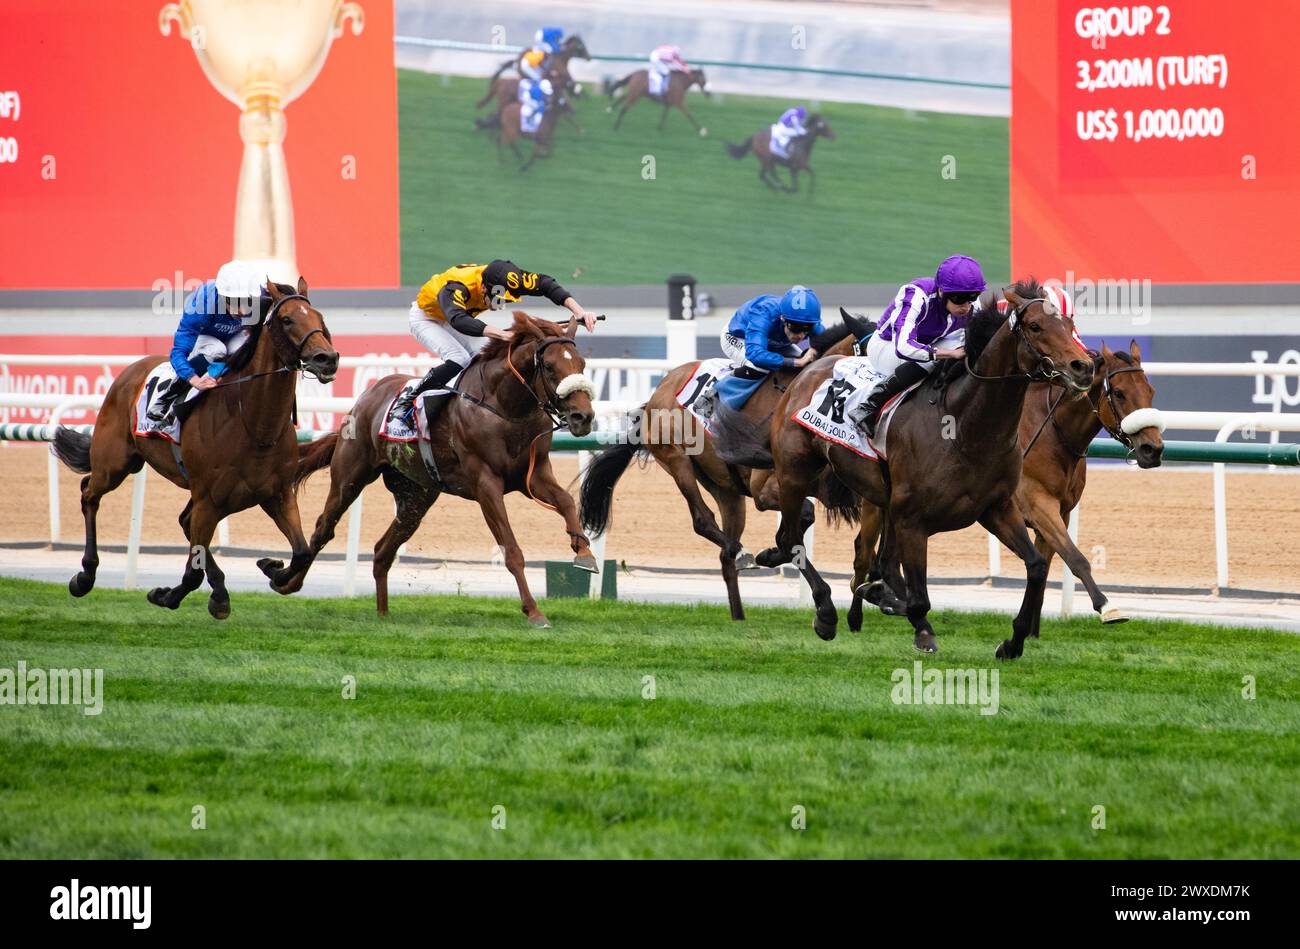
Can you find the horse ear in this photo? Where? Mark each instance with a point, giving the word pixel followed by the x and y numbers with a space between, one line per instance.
pixel 302 286
pixel 272 289
pixel 1106 352
pixel 1012 297
pixel 1134 350
pixel 571 328
pixel 525 325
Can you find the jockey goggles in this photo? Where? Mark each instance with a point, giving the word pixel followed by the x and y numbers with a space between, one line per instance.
pixel 963 297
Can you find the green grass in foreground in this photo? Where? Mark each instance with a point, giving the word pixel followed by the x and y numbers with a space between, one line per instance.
pixel 460 707
pixel 883 210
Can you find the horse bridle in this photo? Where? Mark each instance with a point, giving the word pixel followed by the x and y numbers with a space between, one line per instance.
pixel 1045 369
pixel 297 364
pixel 1108 393
pixel 551 403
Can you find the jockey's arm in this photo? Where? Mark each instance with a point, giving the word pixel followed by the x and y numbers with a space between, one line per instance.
pixel 193 322
pixel 758 347
pixel 547 286
pixel 452 299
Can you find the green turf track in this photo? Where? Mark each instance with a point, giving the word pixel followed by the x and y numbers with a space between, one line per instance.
pixel 461 707
pixel 882 212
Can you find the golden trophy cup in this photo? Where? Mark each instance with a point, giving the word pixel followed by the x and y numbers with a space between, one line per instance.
pixel 261 55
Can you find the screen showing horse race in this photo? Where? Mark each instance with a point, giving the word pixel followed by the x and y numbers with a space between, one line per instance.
pixel 1145 140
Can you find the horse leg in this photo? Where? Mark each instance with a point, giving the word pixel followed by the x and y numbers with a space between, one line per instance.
pixel 913 544
pixel 663 116
pixel 348 477
pixel 812 181
pixel 767 175
pixel 794 180
pixel 1007 525
pixel 732 507
pixel 703 522
pixel 493 503
pixel 284 511
pixel 1054 537
pixel 629 100
pixel 864 559
pixel 789 540
pixel 110 462
pixel 413 502
pixel 546 488
pixel 687 112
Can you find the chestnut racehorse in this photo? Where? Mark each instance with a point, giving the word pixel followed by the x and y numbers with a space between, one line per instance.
pixel 675 439
pixel 239 447
pixel 493 439
pixel 674 97
pixel 950 464
pixel 1055 447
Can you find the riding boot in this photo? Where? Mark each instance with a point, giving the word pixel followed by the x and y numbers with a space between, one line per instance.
pixel 162 412
pixel 435 378
pixel 867 415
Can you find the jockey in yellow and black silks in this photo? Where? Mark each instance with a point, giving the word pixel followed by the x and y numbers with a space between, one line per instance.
pixel 444 315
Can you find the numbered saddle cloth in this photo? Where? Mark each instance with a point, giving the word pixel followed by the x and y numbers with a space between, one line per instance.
pixel 827 414
pixel 698 394
pixel 151 390
pixel 409 427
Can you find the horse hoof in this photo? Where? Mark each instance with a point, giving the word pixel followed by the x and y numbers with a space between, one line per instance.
pixel 704 133
pixel 219 609
pixel 80 585
pixel 768 558
pixel 825 628
pixel 159 596
pixel 1112 615
pixel 269 566
pixel 925 642
pixel 745 561
pixel 1008 650
pixel 539 622
pixel 855 617
pixel 586 562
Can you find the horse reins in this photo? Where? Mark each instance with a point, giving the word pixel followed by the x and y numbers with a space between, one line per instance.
pixel 1108 393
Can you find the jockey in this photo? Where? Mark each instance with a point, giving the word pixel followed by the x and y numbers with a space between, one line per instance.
pixel 533 63
pixel 549 39
pixel 443 315
pixel 214 325
pixel 665 60
pixel 771 332
pixel 926 322
pixel 786 129
pixel 532 105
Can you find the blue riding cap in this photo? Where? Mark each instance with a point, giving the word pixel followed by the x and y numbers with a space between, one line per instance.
pixel 800 305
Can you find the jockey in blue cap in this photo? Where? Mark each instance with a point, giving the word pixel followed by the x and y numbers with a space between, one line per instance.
pixel 771 332
pixel 215 323
pixel 926 322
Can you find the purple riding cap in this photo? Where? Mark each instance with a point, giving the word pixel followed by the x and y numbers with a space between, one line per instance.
pixel 918 317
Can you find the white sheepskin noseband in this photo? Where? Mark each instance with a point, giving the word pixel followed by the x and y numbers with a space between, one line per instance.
pixel 1142 418
pixel 576 382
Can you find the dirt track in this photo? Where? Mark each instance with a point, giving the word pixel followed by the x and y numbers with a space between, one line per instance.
pixel 1152 528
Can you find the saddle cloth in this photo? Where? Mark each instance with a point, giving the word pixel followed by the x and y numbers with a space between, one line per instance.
pixel 159 378
pixel 702 382
pixel 827 413
pixel 658 83
pixel 402 429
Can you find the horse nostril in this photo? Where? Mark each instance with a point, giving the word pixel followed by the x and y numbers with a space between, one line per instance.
pixel 1081 367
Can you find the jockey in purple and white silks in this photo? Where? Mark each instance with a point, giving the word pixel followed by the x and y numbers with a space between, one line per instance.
pixel 786 129
pixel 664 61
pixel 926 322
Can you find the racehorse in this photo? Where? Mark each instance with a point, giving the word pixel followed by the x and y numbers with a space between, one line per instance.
pixel 558 75
pixel 239 447
pixel 1054 443
pixel 638 87
pixel 493 438
pixel 800 154
pixel 665 431
pixel 506 90
pixel 512 130
pixel 951 462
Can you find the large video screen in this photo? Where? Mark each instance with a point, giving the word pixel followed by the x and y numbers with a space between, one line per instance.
pixel 1145 140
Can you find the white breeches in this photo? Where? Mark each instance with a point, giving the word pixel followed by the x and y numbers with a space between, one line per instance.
pixel 439 338
pixel 216 350
pixel 885 360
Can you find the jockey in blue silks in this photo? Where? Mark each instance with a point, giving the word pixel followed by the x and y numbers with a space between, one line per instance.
pixel 926 322
pixel 215 323
pixel 771 332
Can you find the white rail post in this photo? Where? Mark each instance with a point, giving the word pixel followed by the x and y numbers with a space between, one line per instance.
pixel 137 520
pixel 1221 511
pixel 354 547
pixel 1067 577
pixel 995 558
pixel 223 533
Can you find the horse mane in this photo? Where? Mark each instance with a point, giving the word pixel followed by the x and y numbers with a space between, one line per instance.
pixel 279 338
pixel 829 337
pixel 524 326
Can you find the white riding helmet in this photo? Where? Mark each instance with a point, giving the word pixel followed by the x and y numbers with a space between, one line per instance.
pixel 239 280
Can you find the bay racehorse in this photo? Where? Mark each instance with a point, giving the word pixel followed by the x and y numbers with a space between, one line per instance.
pixel 512 130
pixel 492 439
pixel 505 89
pixel 239 448
pixel 674 96
pixel 952 462
pixel 670 434
pixel 800 154
pixel 1055 432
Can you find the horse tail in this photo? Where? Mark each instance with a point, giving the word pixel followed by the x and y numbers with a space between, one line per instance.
pixel 741 150
pixel 72 448
pixel 596 496
pixel 491 94
pixel 843 507
pixel 613 87
pixel 313 456
pixel 502 68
